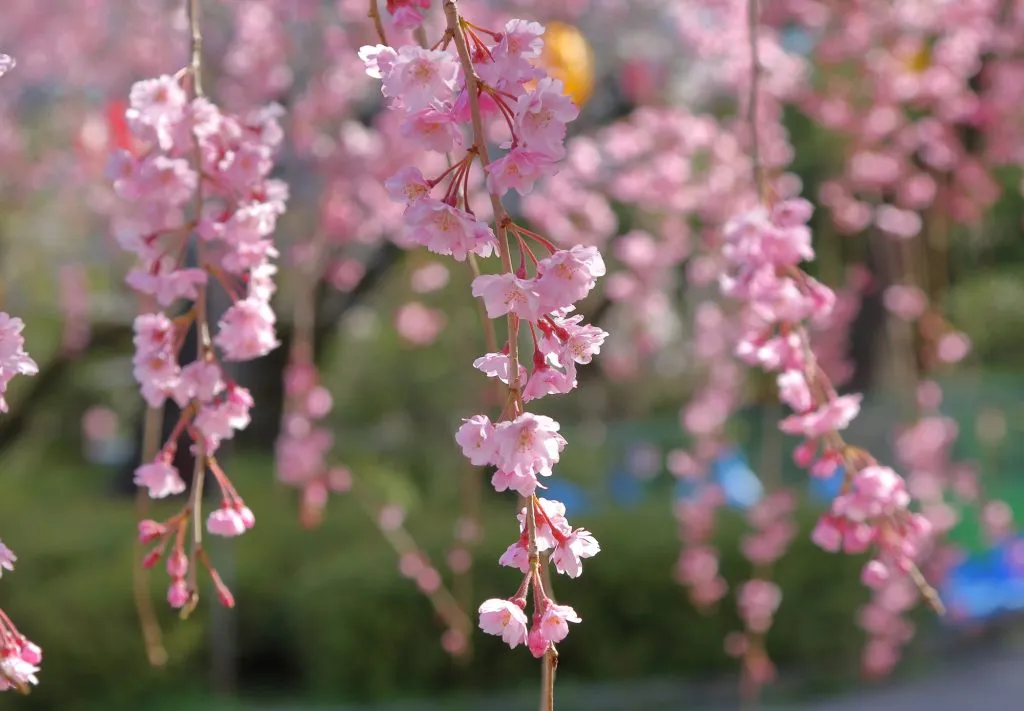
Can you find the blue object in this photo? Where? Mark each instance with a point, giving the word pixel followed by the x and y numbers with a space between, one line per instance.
pixel 686 490
pixel 740 486
pixel 986 584
pixel 575 498
pixel 626 490
pixel 824 489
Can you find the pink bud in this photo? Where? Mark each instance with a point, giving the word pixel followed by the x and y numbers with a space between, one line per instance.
pixel 537 643
pixel 248 518
pixel 152 557
pixel 31 653
pixel 150 530
pixel 223 594
pixel 804 453
pixel 177 564
pixel 178 594
pixel 874 574
pixel 827 535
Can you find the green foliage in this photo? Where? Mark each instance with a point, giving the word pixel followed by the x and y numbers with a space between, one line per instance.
pixel 987 305
pixel 324 613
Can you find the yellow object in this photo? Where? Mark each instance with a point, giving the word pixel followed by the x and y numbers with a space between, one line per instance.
pixel 919 60
pixel 567 56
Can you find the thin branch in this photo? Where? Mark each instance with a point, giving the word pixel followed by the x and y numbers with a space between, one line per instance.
pixel 195 47
pixel 151 632
pixel 501 218
pixel 374 14
pixel 753 20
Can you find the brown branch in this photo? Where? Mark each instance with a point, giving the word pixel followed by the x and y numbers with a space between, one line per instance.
pixel 753 18
pixel 374 14
pixel 151 633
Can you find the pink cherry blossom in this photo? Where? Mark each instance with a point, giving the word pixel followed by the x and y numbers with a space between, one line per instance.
pixel 508 294
pixel 528 445
pixel 568 554
pixel 160 478
pixel 447 230
pixel 554 622
pixel 417 78
pixel 7 558
pixel 504 619
pixel 476 436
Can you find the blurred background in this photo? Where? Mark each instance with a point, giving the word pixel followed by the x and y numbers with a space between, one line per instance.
pixel 900 120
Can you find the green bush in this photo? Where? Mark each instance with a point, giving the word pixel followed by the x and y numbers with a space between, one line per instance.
pixel 325 614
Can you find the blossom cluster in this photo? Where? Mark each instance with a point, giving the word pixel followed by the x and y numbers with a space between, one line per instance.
pixel 198 172
pixel 19 658
pixel 304 443
pixel 445 95
pixel 14 360
pixel 763 248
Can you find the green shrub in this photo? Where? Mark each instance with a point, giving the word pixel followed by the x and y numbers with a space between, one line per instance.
pixel 325 614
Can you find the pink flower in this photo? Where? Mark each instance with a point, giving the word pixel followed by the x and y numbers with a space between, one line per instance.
pixel 875 574
pixel 417 77
pixel 434 130
pixel 447 230
pixel 13 358
pixel 516 556
pixel 528 445
pixel 199 381
pixel 418 324
pixel 7 559
pixel 378 59
pixel 246 331
pixel 496 365
pixel 794 391
pixel 554 622
pixel 229 521
pixel 834 415
pixel 511 64
pixel 523 484
pixel 31 653
pixel 407 185
pixel 407 14
pixel 569 553
pixel 160 477
pixel 218 421
pixel 165 282
pixel 548 511
pixel 150 530
pixel 757 601
pixel 504 619
pixel 178 594
pixel 905 302
pixel 541 116
pixel 15 671
pixel 507 293
pixel 177 564
pixel 546 380
pixel 518 170
pixel 476 436
pixel 567 276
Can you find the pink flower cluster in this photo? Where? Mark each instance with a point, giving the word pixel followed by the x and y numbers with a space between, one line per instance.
pixel 475 75
pixel 19 658
pixel 199 172
pixel 14 360
pixel 764 248
pixel 304 443
pixel 698 566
